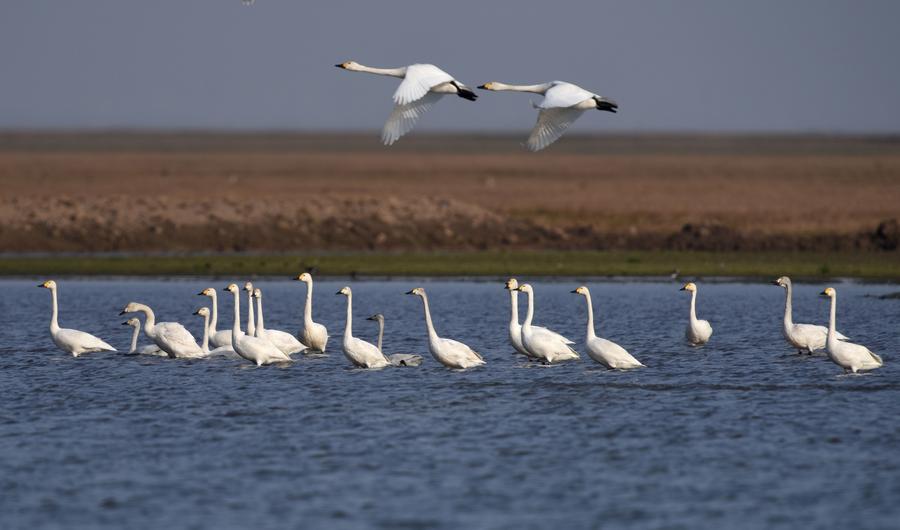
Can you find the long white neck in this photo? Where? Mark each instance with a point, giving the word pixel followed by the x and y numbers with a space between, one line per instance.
pixel 260 324
pixel 380 333
pixel 536 89
pixel 134 337
pixel 150 321
pixel 693 307
pixel 788 313
pixel 54 323
pixel 590 323
pixel 832 324
pixel 307 309
pixel 251 325
pixel 205 347
pixel 215 313
pixel 236 328
pixel 514 307
pixel 530 314
pixel 393 72
pixel 432 334
pixel 348 329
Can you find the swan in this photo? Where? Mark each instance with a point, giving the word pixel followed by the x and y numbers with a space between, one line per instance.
pixel 450 353
pixel 254 349
pixel 804 337
pixel 216 338
pixel 71 340
pixel 251 321
pixel 397 359
pixel 221 350
pixel 423 85
pixel 515 329
pixel 605 352
pixel 851 357
pixel 546 345
pixel 361 353
pixel 313 334
pixel 149 349
pixel 282 340
pixel 563 104
pixel 698 331
pixel 171 337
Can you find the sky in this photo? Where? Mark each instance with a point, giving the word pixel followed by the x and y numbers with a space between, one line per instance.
pixel 687 65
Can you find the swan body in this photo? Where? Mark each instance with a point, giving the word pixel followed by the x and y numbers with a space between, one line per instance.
pixel 359 352
pixel 171 337
pixel 449 352
pixel 515 329
pixel 147 349
pixel 698 331
pixel 396 359
pixel 605 352
pixel 849 356
pixel 221 350
pixel 282 340
pixel 805 337
pixel 563 103
pixel 313 334
pixel 71 340
pixel 254 349
pixel 543 344
pixel 216 338
pixel 423 85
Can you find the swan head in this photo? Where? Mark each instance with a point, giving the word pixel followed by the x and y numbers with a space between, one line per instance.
pixel 690 286
pixel 305 278
pixel 525 288
pixel 132 307
pixel 257 293
pixel 203 312
pixel 134 322
pixel 378 317
pixel 418 291
pixel 583 291
pixel 248 287
pixel 232 288
pixel 829 292
pixel 349 65
pixel 784 281
pixel 49 284
pixel 209 291
pixel 512 284
pixel 344 291
pixel 487 86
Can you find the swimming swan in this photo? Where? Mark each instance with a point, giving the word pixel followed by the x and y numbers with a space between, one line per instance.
pixel 563 104
pixel 423 85
pixel 605 352
pixel 147 349
pixel 804 337
pixel 546 345
pixel 71 340
pixel 698 331
pixel 256 350
pixel 515 329
pixel 851 357
pixel 361 353
pixel 216 338
pixel 313 334
pixel 450 353
pixel 397 359
pixel 282 340
pixel 221 350
pixel 171 337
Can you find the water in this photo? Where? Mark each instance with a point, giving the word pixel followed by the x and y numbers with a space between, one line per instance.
pixel 742 433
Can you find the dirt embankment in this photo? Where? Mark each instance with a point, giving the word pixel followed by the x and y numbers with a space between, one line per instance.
pixel 310 193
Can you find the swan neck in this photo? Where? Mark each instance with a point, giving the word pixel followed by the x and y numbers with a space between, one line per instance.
pixel 536 89
pixel 432 334
pixel 693 306
pixel 307 309
pixel 392 72
pixel 348 328
pixel 134 338
pixel 205 347
pixel 788 311
pixel 150 318
pixel 215 313
pixel 251 325
pixel 236 327
pixel 530 313
pixel 590 325
pixel 260 324
pixel 832 324
pixel 514 307
pixel 54 322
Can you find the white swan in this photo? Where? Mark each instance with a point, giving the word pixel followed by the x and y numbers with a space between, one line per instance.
pixel 397 359
pixel 804 337
pixel 450 353
pixel 563 104
pixel 851 357
pixel 251 320
pixel 313 334
pixel 71 340
pixel 216 338
pixel 282 340
pixel 147 349
pixel 546 345
pixel 171 337
pixel 515 329
pixel 698 331
pixel 423 85
pixel 256 350
pixel 221 350
pixel 361 353
pixel 605 352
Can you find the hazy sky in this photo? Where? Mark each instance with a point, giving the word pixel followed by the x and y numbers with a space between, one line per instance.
pixel 773 65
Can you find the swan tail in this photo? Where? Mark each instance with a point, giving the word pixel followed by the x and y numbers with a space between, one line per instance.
pixel 465 93
pixel 606 104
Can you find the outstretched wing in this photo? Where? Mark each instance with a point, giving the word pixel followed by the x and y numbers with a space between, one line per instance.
pixel 403 118
pixel 419 79
pixel 550 126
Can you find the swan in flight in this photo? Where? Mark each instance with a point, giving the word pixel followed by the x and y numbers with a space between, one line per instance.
pixel 282 340
pixel 71 340
pixel 543 344
pixel 148 349
pixel 563 104
pixel 221 350
pixel 216 338
pixel 851 357
pixel 605 352
pixel 698 331
pixel 450 353
pixel 359 352
pixel 171 337
pixel 313 334
pixel 805 337
pixel 423 85
pixel 397 359
pixel 254 349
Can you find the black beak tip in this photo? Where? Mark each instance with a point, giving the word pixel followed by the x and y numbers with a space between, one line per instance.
pixel 122 313
pixel 482 87
pixel 339 66
pixel 574 292
pixel 682 289
pixel 408 292
pixel 775 282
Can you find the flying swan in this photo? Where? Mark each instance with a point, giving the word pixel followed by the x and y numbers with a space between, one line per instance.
pixel 254 349
pixel 805 337
pixel 423 85
pixel 851 357
pixel 71 340
pixel 171 337
pixel 605 352
pixel 147 349
pixel 313 334
pixel 546 345
pixel 563 104
pixel 449 352
pixel 397 359
pixel 698 331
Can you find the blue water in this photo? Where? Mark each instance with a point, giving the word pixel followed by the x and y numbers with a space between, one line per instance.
pixel 741 433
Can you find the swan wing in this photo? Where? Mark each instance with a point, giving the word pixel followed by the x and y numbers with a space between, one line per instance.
pixel 404 117
pixel 460 349
pixel 419 79
pixel 551 124
pixel 563 95
pixel 285 341
pixel 80 340
pixel 175 338
pixel 541 329
pixel 220 339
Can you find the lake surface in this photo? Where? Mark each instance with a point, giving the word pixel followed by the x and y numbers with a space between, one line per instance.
pixel 740 433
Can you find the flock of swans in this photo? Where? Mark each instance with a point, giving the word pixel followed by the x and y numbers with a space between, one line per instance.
pixel 423 85
pixel 263 346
